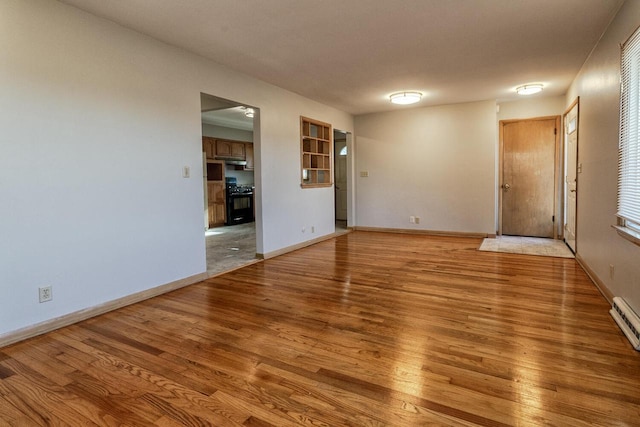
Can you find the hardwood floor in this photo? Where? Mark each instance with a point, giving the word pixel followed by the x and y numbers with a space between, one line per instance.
pixel 369 329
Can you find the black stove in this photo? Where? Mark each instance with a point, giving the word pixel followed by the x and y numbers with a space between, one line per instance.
pixel 240 208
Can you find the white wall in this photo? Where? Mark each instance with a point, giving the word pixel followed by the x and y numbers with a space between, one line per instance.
pixel 535 106
pixel 437 163
pixel 97 122
pixel 227 133
pixel 597 85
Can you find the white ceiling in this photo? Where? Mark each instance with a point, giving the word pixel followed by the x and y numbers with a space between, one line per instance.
pixel 229 117
pixel 351 54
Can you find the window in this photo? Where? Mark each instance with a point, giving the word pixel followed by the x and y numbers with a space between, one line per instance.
pixel 629 145
pixel 316 148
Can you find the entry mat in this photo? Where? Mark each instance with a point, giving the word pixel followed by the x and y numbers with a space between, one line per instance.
pixel 527 246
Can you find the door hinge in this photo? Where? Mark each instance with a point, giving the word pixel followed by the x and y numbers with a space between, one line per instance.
pixel 555 131
pixel 553 218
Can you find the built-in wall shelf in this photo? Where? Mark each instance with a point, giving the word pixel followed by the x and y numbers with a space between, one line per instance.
pixel 316 153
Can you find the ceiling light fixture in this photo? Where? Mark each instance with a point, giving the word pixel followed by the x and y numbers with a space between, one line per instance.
pixel 249 112
pixel 529 89
pixel 405 98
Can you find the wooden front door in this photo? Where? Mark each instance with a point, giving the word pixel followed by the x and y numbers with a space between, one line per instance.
pixel 528 176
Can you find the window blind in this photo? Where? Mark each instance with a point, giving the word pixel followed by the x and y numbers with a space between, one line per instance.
pixel 629 145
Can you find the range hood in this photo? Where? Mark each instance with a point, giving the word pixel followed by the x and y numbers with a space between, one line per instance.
pixel 235 162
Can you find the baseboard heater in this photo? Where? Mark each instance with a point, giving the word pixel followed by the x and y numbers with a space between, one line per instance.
pixel 628 321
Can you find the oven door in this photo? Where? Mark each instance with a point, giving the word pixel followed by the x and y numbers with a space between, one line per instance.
pixel 239 208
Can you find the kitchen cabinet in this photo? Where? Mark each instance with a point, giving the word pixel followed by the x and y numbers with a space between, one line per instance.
pixel 209 147
pixel 216 203
pixel 248 151
pixel 316 153
pixel 230 149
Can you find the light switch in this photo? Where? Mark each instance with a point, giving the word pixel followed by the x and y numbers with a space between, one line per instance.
pixel 186 171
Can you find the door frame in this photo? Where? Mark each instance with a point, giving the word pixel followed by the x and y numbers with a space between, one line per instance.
pixel 335 172
pixel 575 103
pixel 558 172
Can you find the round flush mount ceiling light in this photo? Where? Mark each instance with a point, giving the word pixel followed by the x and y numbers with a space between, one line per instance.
pixel 405 98
pixel 529 89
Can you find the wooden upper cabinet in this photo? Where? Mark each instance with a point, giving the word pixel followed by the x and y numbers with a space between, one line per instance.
pixel 237 150
pixel 248 151
pixel 230 149
pixel 209 147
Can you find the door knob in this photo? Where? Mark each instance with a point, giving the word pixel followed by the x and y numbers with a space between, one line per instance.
pixel 506 187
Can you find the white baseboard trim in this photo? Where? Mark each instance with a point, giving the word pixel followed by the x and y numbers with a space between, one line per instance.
pixel 424 232
pixel 77 316
pixel 595 279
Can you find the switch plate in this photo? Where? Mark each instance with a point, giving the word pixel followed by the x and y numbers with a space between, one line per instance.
pixel 186 171
pixel 412 219
pixel 417 220
pixel 364 174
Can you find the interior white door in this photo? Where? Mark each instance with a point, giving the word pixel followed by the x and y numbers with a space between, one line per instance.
pixel 341 180
pixel 571 181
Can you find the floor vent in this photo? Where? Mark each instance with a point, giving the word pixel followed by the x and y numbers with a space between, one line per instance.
pixel 628 321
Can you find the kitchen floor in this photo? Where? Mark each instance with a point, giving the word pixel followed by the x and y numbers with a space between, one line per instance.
pixel 229 247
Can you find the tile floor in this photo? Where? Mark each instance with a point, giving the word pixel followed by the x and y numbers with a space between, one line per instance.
pixel 527 246
pixel 229 247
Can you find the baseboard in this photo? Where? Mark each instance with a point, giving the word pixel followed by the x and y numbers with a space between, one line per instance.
pixel 595 279
pixel 220 273
pixel 301 245
pixel 423 232
pixel 77 316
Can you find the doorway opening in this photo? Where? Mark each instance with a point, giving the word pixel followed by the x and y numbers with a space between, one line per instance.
pixel 340 160
pixel 530 171
pixel 572 168
pixel 228 183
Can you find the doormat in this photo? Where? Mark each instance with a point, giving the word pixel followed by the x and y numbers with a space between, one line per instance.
pixel 527 246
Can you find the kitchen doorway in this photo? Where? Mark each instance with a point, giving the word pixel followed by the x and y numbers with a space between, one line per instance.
pixel 228 183
pixel 529 152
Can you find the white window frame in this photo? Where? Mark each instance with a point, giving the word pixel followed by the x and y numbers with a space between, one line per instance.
pixel 628 213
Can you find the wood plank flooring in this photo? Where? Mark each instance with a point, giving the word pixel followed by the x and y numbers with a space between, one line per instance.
pixel 369 329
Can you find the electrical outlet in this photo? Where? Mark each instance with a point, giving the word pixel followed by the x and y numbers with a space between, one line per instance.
pixel 612 271
pixel 364 174
pixel 186 171
pixel 304 229
pixel 417 220
pixel 45 294
pixel 412 219
pixel 313 229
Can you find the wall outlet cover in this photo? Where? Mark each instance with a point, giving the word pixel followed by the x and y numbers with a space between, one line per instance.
pixel 45 294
